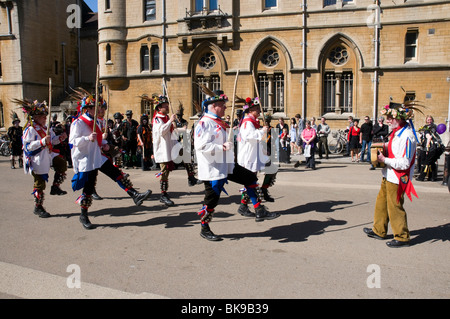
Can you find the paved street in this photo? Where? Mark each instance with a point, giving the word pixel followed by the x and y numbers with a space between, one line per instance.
pixel 316 249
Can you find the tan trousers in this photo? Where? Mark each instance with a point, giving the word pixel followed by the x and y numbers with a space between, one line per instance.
pixel 388 210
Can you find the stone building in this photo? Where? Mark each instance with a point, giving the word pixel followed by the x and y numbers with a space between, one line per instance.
pixel 324 57
pixel 40 40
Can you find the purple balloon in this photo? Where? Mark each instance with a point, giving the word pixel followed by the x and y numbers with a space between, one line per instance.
pixel 441 128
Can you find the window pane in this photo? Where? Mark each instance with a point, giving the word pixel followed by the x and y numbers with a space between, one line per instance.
pixel 263 88
pixel 410 52
pixel 150 10
pixel 198 5
pixel 212 4
pixel 145 59
pixel 328 2
pixel 271 3
pixel 411 38
pixel 155 58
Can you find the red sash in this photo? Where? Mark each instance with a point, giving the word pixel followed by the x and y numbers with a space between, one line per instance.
pixel 218 121
pixel 40 130
pixel 405 185
pixel 252 120
pixel 163 118
pixel 90 123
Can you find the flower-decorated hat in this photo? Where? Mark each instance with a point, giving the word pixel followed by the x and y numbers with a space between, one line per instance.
pixel 32 108
pixel 159 100
pixel 249 103
pixel 401 111
pixel 85 99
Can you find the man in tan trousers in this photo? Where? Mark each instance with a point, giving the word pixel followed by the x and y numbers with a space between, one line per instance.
pixel 399 158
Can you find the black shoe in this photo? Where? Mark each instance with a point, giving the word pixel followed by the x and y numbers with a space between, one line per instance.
pixel 267 196
pixel 370 233
pixel 262 213
pixel 96 196
pixel 41 212
pixel 139 198
pixel 244 211
pixel 372 168
pixel 84 220
pixel 297 164
pixel 192 181
pixel 395 243
pixel 208 234
pixel 166 200
pixel 55 190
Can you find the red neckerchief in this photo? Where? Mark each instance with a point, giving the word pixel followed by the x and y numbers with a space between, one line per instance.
pixel 404 181
pixel 90 122
pixel 218 121
pixel 163 118
pixel 251 119
pixel 42 133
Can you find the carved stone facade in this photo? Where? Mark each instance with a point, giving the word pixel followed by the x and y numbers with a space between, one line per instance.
pixel 36 43
pixel 332 58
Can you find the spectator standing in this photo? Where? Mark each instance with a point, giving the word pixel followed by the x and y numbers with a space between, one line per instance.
pixel 365 140
pixel 284 154
pixel 380 130
pixel 323 129
pixel 353 140
pixel 309 136
pixel 293 135
pixel 350 124
pixel 129 131
pixel 15 133
pixel 300 128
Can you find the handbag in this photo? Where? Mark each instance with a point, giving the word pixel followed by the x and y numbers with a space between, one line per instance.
pixel 307 150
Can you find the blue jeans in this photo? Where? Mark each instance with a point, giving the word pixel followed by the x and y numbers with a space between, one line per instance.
pixel 365 144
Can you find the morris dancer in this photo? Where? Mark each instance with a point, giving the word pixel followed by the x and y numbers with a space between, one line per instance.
pixel 250 142
pixel 37 149
pixel 163 146
pixel 88 159
pixel 215 158
pixel 399 159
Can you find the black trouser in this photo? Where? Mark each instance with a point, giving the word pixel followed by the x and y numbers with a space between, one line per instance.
pixel 108 169
pixel 240 175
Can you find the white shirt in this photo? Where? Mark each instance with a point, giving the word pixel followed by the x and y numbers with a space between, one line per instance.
pixel 163 141
pixel 32 141
pixel 213 162
pixel 250 154
pixel 86 155
pixel 404 149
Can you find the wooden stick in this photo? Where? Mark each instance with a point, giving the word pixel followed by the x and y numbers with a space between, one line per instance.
pixel 257 94
pixel 94 128
pixel 107 105
pixel 168 99
pixel 230 134
pixel 49 105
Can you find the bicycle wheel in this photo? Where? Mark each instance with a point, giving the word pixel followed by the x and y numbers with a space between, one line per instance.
pixel 333 146
pixel 5 151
